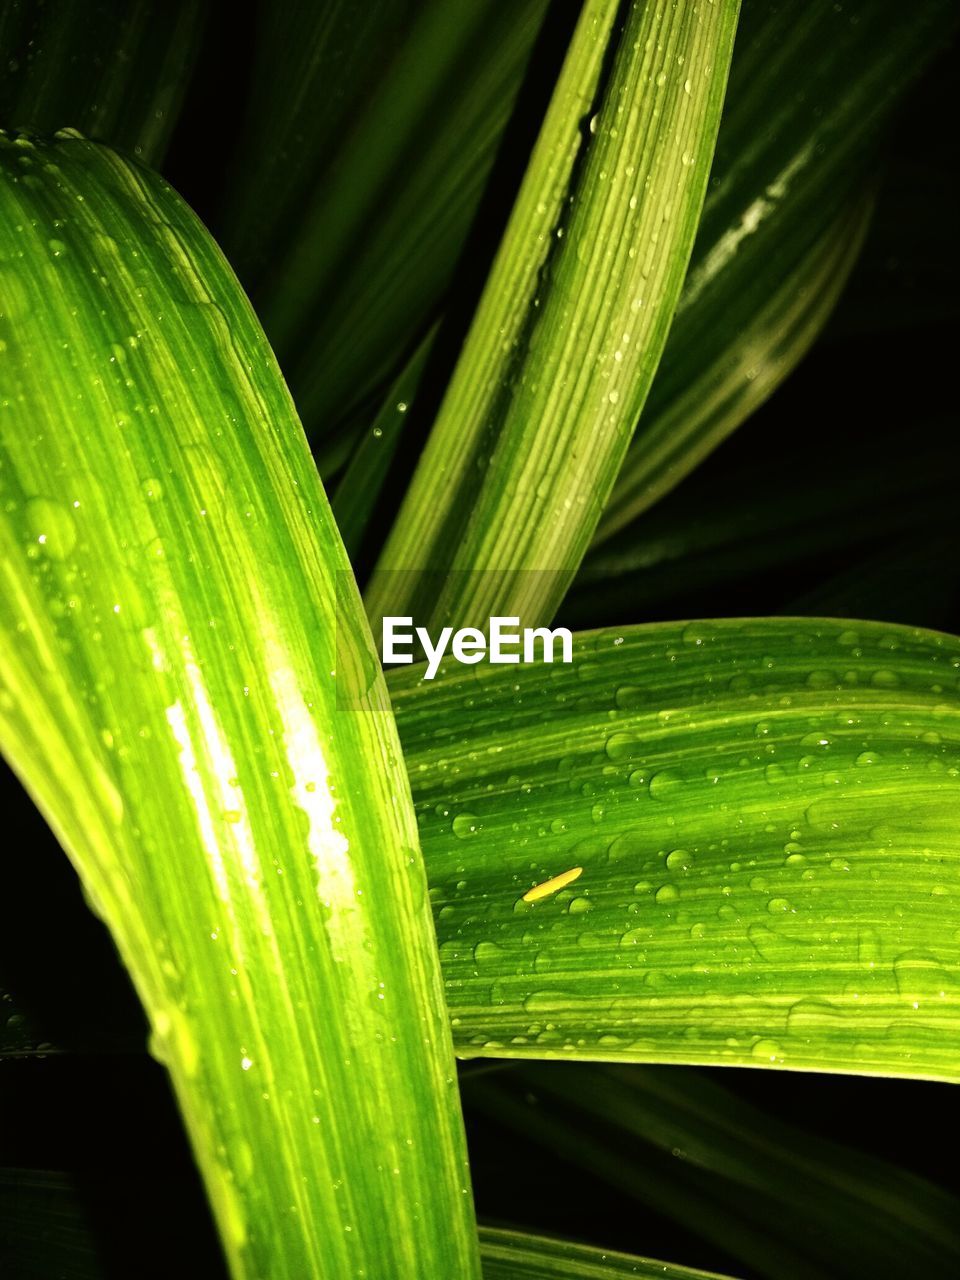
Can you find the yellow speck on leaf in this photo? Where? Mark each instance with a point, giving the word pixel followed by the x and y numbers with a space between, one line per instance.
pixel 551 886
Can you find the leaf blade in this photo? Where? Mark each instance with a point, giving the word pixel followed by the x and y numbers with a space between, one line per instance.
pixel 657 762
pixel 514 1255
pixel 546 390
pixel 364 208
pixel 786 162
pixel 118 78
pixel 776 1196
pixel 771 329
pixel 169 599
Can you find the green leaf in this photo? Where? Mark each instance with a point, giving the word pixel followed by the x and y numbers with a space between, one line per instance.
pixel 358 491
pixel 808 92
pixel 915 577
pixel 766 815
pixel 117 76
pixel 513 1255
pixel 367 203
pixel 789 1204
pixel 775 507
pixel 571 324
pixel 168 695
pixel 47 1235
pixel 44 1230
pixel 769 325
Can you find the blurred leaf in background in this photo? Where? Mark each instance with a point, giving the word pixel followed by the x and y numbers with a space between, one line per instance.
pixel 115 73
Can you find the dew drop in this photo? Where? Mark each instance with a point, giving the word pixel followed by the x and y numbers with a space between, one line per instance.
pixel 52 527
pixel 664 784
pixel 767 1051
pixel 620 745
pixel 466 825
pixel 679 860
pixel 885 679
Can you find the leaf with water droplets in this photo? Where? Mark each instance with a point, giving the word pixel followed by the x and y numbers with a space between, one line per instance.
pixel 568 333
pixel 772 878
pixel 173 585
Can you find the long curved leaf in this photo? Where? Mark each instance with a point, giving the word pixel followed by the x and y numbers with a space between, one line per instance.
pixel 47 1235
pixel 777 508
pixel 770 325
pixel 116 73
pixel 568 333
pixel 168 694
pixel 766 817
pixel 358 491
pixel 514 1255
pixel 785 1202
pixel 808 92
pixel 356 209
pixel 43 1229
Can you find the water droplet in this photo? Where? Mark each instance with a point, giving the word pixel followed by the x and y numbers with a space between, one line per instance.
pixel 620 745
pixel 665 784
pixel 629 696
pixel 920 978
pixel 52 527
pixel 626 846
pixel 767 1051
pixel 466 825
pixel 885 678
pixel 868 948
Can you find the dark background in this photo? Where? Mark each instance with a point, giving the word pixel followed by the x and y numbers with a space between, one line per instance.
pixel 856 461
